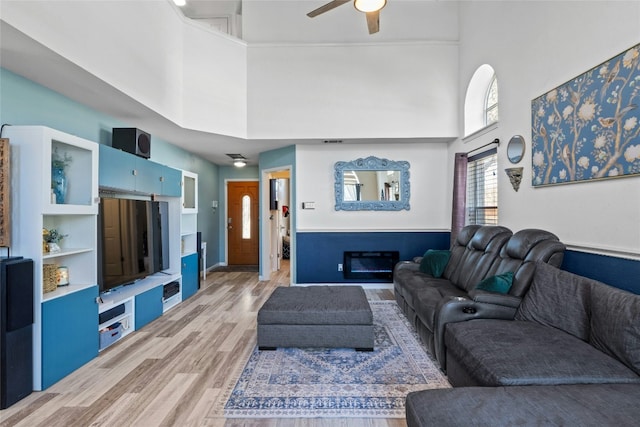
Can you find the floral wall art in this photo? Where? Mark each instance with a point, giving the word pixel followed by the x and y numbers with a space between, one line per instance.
pixel 588 128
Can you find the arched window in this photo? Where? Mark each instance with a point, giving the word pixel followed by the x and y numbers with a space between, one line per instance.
pixel 481 100
pixel 491 103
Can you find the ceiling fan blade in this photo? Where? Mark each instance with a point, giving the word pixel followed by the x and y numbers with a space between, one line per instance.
pixel 327 7
pixel 373 21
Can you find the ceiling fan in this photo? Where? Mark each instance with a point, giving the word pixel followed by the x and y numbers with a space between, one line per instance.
pixel 370 7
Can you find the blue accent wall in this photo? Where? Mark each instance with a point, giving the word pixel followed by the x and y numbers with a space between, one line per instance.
pixel 319 253
pixel 619 272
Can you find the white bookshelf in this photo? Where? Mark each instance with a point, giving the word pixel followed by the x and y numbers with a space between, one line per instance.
pixel 33 209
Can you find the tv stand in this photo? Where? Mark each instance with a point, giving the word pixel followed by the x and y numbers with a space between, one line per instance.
pixel 143 300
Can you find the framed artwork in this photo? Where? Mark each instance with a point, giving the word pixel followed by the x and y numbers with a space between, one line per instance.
pixel 588 128
pixel 5 184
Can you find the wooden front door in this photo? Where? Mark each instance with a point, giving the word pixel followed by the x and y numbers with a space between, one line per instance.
pixel 242 222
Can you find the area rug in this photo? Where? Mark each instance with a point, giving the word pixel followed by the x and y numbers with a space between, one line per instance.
pixel 291 382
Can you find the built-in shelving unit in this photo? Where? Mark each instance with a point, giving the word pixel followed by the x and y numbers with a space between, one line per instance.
pixel 188 234
pixel 34 208
pixel 189 213
pixel 67 331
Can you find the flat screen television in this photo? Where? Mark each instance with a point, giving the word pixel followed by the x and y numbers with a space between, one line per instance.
pixel 133 240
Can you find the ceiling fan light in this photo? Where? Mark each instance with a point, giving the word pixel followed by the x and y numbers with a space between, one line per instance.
pixel 369 5
pixel 239 163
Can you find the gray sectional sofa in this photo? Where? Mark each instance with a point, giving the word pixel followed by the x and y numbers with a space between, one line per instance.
pixel 564 351
pixel 570 356
pixel 478 253
pixel 568 330
pixel 578 405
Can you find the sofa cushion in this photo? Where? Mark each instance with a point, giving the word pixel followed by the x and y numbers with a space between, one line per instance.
pixel 615 324
pixel 511 352
pixel 562 405
pixel 500 283
pixel 426 300
pixel 558 299
pixel 465 270
pixel 418 282
pixel 521 252
pixel 434 262
pixel 402 272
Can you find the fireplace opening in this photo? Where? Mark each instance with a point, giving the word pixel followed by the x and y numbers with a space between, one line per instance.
pixel 373 265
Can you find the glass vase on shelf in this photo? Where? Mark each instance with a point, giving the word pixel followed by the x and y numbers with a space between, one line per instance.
pixel 59 184
pixel 59 164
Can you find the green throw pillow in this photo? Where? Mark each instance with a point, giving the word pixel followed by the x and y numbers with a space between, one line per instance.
pixel 434 262
pixel 500 283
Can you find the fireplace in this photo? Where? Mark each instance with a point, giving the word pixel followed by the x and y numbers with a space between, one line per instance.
pixel 372 265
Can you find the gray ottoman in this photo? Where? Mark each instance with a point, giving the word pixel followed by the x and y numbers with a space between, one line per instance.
pixel 316 316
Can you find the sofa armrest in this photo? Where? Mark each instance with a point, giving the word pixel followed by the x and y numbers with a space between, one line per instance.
pixel 487 305
pixel 495 298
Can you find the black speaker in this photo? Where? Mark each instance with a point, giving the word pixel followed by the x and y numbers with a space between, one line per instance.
pixel 16 319
pixel 132 140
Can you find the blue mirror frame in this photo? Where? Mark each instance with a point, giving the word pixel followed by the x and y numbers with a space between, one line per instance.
pixel 372 163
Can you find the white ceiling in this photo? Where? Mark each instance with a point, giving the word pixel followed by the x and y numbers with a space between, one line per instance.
pixel 286 21
pixel 257 21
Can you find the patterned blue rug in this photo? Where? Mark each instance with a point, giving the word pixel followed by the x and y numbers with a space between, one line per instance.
pixel 291 382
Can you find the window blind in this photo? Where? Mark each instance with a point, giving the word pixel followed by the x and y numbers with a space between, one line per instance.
pixel 482 188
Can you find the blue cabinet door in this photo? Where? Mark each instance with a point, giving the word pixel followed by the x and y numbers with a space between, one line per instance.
pixel 116 168
pixel 148 176
pixel 189 275
pixel 69 334
pixel 125 171
pixel 171 182
pixel 148 306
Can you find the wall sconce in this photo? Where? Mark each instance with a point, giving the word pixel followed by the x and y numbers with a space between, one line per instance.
pixel 515 176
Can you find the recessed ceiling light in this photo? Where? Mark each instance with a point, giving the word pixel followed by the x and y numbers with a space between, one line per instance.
pixel 180 2
pixel 239 160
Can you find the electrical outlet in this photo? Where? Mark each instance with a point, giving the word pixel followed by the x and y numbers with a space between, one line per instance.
pixel 339 267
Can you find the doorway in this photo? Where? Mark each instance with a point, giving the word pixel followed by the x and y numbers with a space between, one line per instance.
pixel 242 222
pixel 278 255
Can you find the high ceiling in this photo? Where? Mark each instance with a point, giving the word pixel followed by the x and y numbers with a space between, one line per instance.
pixel 255 21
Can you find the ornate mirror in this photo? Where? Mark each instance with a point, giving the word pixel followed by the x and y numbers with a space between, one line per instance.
pixel 515 149
pixel 372 184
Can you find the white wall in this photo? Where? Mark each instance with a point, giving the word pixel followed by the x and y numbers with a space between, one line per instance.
pixel 353 91
pixel 430 201
pixel 148 51
pixel 534 47
pixel 214 84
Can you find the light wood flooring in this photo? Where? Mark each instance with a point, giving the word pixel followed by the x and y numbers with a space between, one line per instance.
pixel 171 372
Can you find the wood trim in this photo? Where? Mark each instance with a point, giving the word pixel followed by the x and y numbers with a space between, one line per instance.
pixel 5 185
